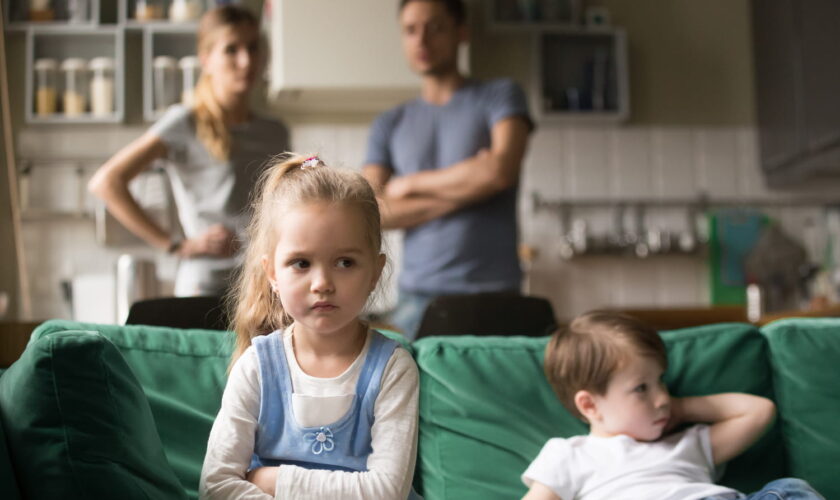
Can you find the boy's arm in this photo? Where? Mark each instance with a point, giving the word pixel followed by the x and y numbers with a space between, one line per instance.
pixel 736 420
pixel 540 491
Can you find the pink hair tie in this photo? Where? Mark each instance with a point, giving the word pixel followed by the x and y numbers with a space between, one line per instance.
pixel 311 162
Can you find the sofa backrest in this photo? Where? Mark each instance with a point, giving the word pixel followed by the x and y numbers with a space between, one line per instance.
pixel 486 409
pixel 805 358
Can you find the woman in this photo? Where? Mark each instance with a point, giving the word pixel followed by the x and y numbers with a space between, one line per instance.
pixel 214 152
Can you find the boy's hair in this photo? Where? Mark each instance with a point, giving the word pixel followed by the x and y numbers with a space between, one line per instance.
pixel 585 354
pixel 287 183
pixel 456 8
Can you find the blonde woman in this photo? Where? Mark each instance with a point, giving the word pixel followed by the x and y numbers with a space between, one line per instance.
pixel 214 152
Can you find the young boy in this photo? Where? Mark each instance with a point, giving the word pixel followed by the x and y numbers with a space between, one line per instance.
pixel 607 370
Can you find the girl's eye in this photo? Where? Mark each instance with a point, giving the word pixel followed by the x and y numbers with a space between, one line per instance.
pixel 299 264
pixel 345 263
pixel 640 388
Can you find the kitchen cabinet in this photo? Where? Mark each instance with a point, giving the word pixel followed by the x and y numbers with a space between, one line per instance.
pixel 797 46
pixel 334 56
pixel 100 35
pixel 581 75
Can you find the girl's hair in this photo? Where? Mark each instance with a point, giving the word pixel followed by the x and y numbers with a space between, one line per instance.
pixel 585 354
pixel 209 117
pixel 292 180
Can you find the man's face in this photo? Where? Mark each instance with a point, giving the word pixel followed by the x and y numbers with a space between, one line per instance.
pixel 430 37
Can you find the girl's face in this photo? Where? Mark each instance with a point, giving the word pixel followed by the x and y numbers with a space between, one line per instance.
pixel 636 403
pixel 233 60
pixel 323 267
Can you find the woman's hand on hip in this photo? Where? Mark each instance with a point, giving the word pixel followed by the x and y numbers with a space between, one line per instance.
pixel 217 241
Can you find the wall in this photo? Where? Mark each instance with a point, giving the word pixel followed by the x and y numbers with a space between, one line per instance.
pixel 691 131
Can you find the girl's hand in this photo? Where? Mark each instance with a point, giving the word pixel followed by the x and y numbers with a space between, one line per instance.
pixel 217 241
pixel 264 478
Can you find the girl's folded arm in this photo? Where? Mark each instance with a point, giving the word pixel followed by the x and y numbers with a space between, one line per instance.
pixel 231 443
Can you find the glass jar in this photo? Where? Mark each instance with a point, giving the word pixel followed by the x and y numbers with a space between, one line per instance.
pixel 190 69
pixel 79 11
pixel 46 86
pixel 41 10
pixel 184 10
pixel 74 99
pixel 165 82
pixel 148 10
pixel 102 86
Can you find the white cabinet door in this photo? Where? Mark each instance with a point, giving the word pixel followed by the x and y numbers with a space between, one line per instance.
pixel 337 45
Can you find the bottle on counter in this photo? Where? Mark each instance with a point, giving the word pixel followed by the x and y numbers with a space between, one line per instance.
pixel 165 82
pixel 74 99
pixel 41 10
pixel 184 10
pixel 148 10
pixel 102 86
pixel 190 69
pixel 46 86
pixel 79 11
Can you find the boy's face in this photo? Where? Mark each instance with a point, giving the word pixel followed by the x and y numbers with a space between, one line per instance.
pixel 636 403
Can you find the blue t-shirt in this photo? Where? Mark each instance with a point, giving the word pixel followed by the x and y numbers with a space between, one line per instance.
pixel 473 249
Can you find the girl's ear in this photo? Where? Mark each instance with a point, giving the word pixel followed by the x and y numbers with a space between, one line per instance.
pixel 268 267
pixel 586 405
pixel 379 265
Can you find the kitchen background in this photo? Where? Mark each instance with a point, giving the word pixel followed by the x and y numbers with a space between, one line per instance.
pixel 691 136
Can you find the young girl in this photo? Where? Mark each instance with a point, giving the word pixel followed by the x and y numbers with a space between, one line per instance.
pixel 323 407
pixel 214 151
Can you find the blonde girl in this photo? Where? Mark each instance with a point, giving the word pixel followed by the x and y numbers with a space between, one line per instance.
pixel 213 152
pixel 317 404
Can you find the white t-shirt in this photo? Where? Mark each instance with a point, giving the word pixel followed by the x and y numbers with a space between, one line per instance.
pixel 677 467
pixel 316 401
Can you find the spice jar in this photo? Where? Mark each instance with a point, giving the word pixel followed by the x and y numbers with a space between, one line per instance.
pixel 184 10
pixel 148 10
pixel 46 86
pixel 165 82
pixel 102 86
pixel 41 10
pixel 190 70
pixel 74 98
pixel 79 11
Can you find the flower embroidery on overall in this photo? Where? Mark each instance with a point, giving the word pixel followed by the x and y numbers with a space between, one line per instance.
pixel 321 441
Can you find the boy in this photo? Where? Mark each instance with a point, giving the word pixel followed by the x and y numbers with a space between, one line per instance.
pixel 607 369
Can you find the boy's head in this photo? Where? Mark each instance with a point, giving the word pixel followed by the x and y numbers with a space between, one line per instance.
pixel 606 369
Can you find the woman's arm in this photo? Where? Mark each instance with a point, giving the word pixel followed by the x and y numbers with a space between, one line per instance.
pixel 394 441
pixel 110 183
pixel 231 443
pixel 736 420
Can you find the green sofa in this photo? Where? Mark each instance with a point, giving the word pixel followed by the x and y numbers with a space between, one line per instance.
pixel 102 411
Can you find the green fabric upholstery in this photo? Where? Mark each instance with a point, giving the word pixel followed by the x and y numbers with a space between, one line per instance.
pixel 805 354
pixel 183 373
pixel 487 397
pixel 8 484
pixel 79 425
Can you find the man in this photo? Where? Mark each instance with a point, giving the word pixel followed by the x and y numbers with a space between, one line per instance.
pixel 446 168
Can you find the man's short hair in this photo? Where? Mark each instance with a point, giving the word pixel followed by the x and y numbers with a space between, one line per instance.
pixel 456 8
pixel 585 354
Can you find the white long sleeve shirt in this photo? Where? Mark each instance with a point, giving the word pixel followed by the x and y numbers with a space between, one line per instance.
pixel 316 401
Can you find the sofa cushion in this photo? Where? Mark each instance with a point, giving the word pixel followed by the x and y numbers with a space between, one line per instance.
pixel 486 409
pixel 8 484
pixel 804 354
pixel 183 374
pixel 78 423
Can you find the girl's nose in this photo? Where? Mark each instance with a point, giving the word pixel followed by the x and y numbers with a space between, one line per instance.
pixel 322 282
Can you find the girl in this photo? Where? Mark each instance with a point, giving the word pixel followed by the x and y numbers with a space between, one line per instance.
pixel 214 152
pixel 323 407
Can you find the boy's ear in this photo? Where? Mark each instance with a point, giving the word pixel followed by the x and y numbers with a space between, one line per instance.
pixel 585 403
